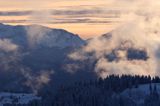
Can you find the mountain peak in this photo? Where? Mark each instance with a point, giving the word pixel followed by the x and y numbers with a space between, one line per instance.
pixel 38 35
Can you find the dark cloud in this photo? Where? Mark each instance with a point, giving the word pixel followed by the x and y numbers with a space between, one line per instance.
pixel 15 13
pixel 85 12
pixel 67 16
pixel 61 12
pixel 60 21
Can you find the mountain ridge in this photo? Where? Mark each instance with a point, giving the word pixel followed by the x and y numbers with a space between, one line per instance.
pixel 40 35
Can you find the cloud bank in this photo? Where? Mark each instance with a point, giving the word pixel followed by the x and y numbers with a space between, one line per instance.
pixel 140 30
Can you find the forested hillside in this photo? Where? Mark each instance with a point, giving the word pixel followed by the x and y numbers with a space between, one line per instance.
pixel 110 91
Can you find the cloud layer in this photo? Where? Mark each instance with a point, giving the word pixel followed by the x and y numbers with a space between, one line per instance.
pixel 139 30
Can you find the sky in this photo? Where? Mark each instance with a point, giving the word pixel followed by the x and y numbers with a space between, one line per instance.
pixel 134 24
pixel 87 18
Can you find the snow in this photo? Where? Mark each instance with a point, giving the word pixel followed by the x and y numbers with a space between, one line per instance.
pixel 138 94
pixel 40 35
pixel 17 98
pixel 61 38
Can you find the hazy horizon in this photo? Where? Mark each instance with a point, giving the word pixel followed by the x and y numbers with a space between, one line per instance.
pixel 83 17
pixel 87 18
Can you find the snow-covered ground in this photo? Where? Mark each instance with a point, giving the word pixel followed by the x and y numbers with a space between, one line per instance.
pixel 138 94
pixel 17 98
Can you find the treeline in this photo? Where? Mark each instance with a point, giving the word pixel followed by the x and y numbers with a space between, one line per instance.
pixel 101 92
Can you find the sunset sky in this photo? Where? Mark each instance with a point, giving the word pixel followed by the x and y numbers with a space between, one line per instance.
pixel 87 18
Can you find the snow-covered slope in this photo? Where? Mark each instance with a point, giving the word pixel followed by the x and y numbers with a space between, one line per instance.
pixel 17 98
pixel 138 95
pixel 37 49
pixel 37 35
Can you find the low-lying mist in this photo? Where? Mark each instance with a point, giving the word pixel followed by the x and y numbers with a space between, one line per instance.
pixel 139 30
